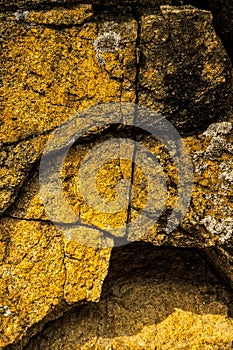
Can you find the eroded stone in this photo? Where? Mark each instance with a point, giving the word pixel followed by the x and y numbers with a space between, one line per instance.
pixel 184 72
pixel 42 273
pixel 52 69
pixel 49 74
pixel 151 299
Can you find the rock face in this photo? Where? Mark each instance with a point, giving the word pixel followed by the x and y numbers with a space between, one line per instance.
pixel 31 3
pixel 172 313
pixel 60 65
pixel 223 17
pixel 48 75
pixel 222 11
pixel 180 74
pixel 42 274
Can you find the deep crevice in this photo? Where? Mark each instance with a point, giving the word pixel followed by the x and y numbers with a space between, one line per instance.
pixel 138 57
pixel 17 189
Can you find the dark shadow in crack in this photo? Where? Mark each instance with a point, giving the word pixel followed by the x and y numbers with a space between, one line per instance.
pixel 143 287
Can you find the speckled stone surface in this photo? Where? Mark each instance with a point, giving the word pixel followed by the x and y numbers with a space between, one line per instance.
pixel 57 61
pixel 222 11
pixel 42 274
pixel 163 299
pixel 49 74
pixel 184 72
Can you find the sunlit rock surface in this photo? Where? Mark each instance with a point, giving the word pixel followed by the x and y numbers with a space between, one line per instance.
pixel 58 62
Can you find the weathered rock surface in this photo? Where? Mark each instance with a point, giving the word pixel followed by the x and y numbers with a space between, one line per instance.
pixel 42 274
pixel 207 222
pixel 152 298
pixel 42 67
pixel 223 20
pixel 57 62
pixel 32 245
pixel 48 75
pixel 17 161
pixel 21 4
pixel 184 71
pixel 222 11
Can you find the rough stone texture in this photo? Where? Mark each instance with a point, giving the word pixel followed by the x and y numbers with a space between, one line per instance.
pixel 208 220
pixel 42 273
pixel 222 11
pixel 223 20
pixel 48 74
pixel 42 67
pixel 163 299
pixel 22 4
pixel 16 163
pixel 184 71
pixel 57 62
pixel 222 259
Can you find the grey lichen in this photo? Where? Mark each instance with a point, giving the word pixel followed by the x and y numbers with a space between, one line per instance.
pixel 226 176
pixel 106 42
pixel 21 15
pixel 5 311
pixel 218 149
pixel 223 228
pixel 218 143
pixel 217 146
pixel 216 129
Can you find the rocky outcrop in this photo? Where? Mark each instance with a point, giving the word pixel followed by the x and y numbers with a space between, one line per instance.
pixel 50 74
pixel 184 71
pixel 146 304
pixel 222 11
pixel 223 20
pixel 58 65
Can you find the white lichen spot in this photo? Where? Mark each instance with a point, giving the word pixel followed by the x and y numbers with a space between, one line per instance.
pixel 218 143
pixel 223 227
pixel 21 15
pixel 216 129
pixel 106 42
pixel 108 26
pixel 100 58
pixel 5 311
pixel 226 175
pixel 217 146
pixel 200 168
